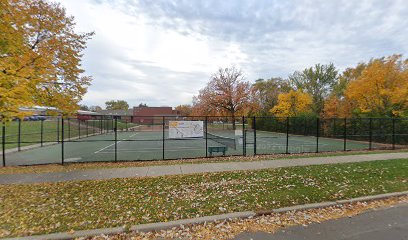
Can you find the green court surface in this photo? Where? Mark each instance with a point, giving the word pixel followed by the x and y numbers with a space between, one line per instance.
pixel 149 145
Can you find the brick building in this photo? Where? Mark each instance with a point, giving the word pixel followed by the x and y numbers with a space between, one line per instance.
pixel 150 115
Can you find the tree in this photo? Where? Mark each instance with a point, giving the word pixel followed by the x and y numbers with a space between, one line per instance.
pixel 292 104
pixel 95 108
pixel 14 90
pixel 40 55
pixel 318 81
pixel 142 105
pixel 349 75
pixel 117 105
pixel 185 110
pixel 266 93
pixel 201 108
pixel 83 107
pixel 336 105
pixel 381 89
pixel 226 93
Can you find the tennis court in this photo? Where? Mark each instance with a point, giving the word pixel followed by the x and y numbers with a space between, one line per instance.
pixel 155 144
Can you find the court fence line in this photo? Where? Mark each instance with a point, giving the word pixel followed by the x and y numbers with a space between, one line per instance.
pixel 283 134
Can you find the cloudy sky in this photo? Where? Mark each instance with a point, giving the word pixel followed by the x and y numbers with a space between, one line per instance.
pixel 161 52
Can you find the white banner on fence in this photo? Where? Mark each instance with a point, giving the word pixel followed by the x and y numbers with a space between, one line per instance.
pixel 186 129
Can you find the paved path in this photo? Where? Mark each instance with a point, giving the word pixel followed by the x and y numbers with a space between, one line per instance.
pixel 385 223
pixel 163 170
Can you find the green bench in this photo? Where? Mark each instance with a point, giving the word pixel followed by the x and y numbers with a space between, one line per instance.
pixel 212 150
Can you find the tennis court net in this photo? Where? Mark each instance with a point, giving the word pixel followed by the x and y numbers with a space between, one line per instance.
pixel 226 141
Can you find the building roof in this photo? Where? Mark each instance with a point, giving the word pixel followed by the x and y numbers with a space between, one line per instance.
pixel 153 107
pixel 82 112
pixel 37 108
pixel 128 112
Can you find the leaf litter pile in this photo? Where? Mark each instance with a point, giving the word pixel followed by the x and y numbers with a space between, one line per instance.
pixel 69 206
pixel 266 223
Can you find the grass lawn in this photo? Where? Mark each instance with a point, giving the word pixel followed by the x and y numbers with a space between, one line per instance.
pixel 31 130
pixel 100 165
pixel 45 208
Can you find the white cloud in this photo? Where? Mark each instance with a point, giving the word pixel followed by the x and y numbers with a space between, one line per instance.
pixel 163 52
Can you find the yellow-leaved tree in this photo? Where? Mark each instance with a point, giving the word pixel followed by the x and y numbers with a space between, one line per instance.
pixel 292 104
pixel 40 57
pixel 337 105
pixel 381 89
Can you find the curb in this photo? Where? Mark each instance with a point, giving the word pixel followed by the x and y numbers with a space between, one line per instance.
pixel 372 198
pixel 215 218
pixel 68 235
pixel 168 225
pixel 299 208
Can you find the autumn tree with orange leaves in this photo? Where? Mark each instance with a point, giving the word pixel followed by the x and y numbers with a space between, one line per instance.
pixel 337 105
pixel 184 109
pixel 226 94
pixel 376 89
pixel 40 57
pixel 382 88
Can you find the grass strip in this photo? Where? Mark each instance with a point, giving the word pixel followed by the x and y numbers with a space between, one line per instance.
pixel 102 165
pixel 266 223
pixel 56 207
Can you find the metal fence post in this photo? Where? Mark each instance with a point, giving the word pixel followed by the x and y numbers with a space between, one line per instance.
pixel 79 128
pixel 86 125
pixel 116 139
pixel 3 143
pixel 206 137
pixel 69 129
pixel 58 130
pixel 370 143
pixel 317 134
pixel 254 127
pixel 287 135
pixel 42 133
pixel 305 128
pixel 62 140
pixel 393 133
pixel 163 125
pixel 93 126
pixel 19 135
pixel 100 125
pixel 353 125
pixel 243 137
pixel 345 135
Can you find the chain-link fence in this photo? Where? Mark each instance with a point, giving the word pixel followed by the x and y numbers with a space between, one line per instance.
pixel 54 139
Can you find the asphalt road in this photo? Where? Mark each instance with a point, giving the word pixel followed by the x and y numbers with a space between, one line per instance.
pixel 387 223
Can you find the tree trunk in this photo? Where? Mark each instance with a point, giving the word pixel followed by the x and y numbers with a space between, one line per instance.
pixel 233 120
